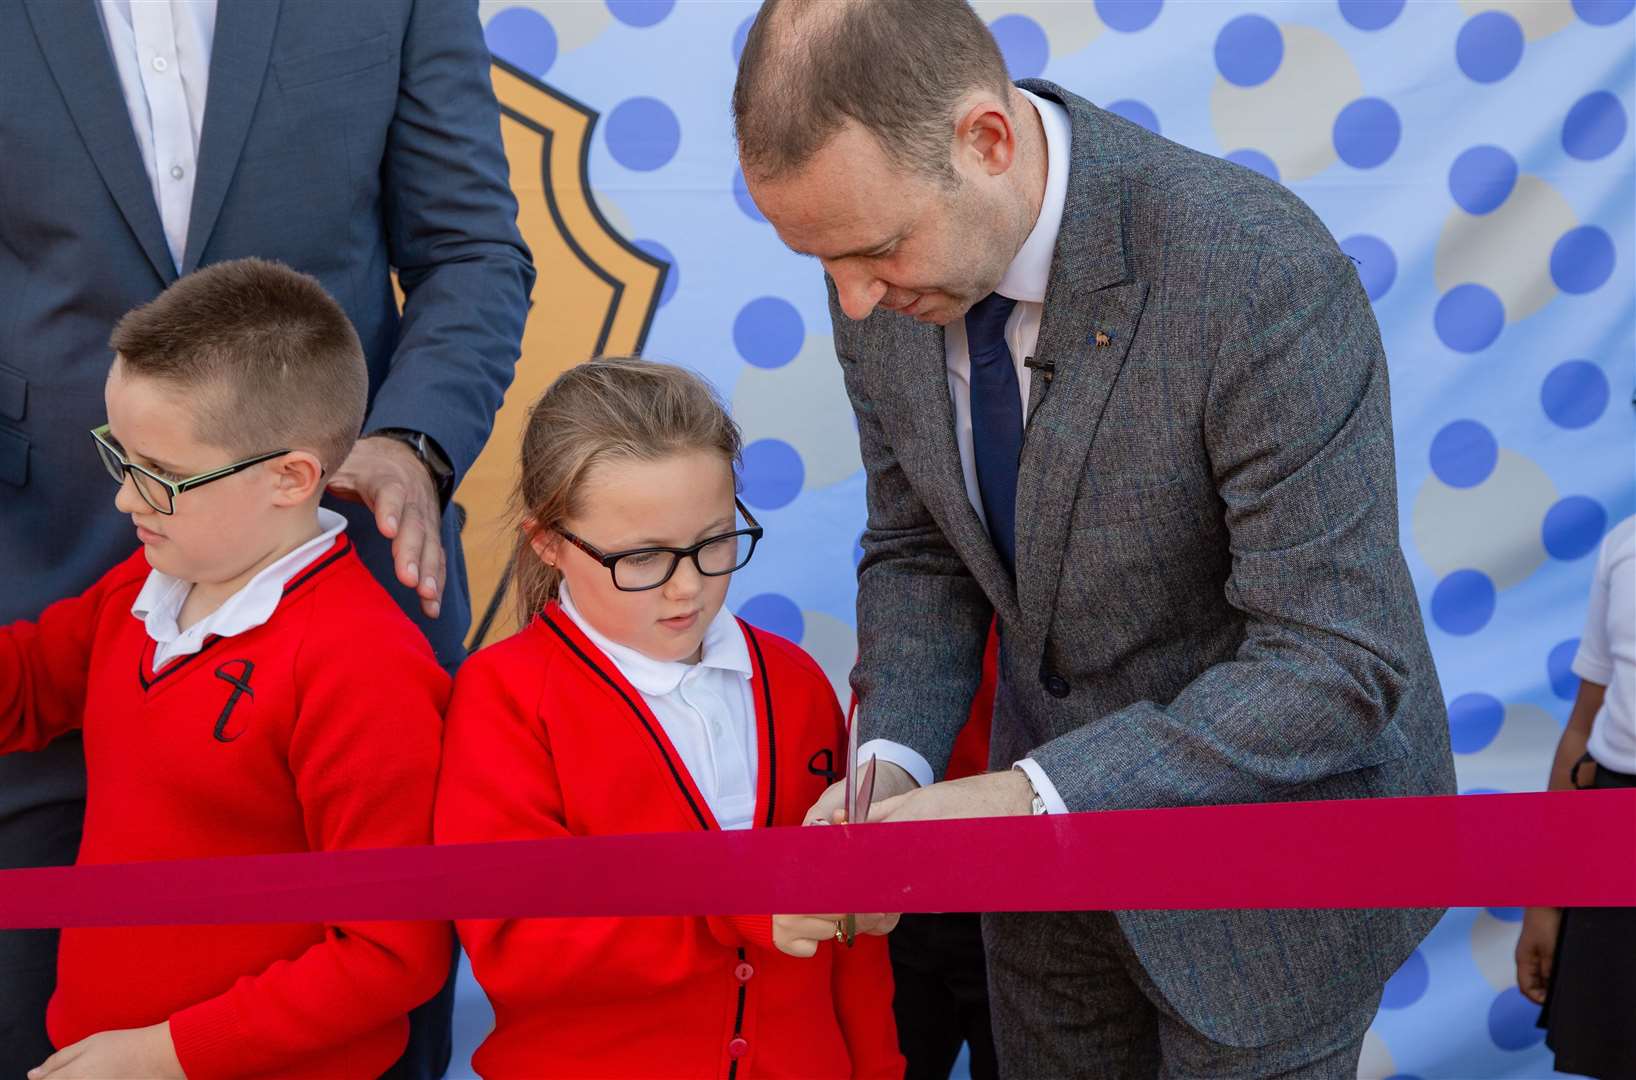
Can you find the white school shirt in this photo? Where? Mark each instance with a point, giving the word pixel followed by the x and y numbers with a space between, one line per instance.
pixel 1607 651
pixel 1025 281
pixel 706 709
pixel 162 596
pixel 161 51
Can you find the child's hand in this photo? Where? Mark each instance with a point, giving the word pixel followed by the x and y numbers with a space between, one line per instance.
pixel 145 1053
pixel 1536 948
pixel 800 935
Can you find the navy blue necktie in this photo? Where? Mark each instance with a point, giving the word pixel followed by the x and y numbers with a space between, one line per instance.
pixel 996 420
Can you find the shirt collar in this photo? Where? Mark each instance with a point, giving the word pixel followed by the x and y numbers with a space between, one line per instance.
pixel 724 650
pixel 1030 272
pixel 160 601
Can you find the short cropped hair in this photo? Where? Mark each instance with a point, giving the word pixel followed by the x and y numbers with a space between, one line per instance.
pixel 268 359
pixel 898 68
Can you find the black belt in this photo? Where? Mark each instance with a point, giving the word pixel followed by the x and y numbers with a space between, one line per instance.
pixel 1601 775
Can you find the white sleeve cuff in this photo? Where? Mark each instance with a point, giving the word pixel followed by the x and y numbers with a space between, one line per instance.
pixel 1043 787
pixel 904 758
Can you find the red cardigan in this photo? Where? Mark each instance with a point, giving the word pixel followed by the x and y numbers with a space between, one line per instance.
pixel 317 730
pixel 545 737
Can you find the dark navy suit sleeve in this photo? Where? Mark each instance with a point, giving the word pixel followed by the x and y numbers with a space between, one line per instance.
pixel 451 226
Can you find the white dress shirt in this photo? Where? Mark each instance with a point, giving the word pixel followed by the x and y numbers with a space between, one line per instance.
pixel 161 50
pixel 1025 281
pixel 1607 651
pixel 160 602
pixel 706 709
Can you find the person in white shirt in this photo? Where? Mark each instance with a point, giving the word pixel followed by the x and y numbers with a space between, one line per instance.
pixel 1580 963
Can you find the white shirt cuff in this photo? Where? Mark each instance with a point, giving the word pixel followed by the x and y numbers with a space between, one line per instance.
pixel 1043 787
pixel 904 758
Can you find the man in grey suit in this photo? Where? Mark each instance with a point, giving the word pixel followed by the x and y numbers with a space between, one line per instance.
pixel 144 140
pixel 1131 399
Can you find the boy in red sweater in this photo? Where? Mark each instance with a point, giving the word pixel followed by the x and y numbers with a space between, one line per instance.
pixel 631 702
pixel 244 687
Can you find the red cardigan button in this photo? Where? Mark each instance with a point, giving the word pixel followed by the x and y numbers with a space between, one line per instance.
pixel 737 1048
pixel 743 972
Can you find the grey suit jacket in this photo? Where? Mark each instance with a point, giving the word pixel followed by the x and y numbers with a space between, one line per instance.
pixel 1210 603
pixel 345 139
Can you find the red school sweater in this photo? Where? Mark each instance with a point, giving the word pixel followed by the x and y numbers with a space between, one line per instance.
pixel 546 738
pixel 317 730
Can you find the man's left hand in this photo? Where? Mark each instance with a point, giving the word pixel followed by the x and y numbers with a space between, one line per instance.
pixel 386 476
pixel 998 794
pixel 147 1053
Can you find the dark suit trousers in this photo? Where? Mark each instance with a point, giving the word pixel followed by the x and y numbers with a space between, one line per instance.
pixel 46 835
pixel 940 1000
pixel 1070 999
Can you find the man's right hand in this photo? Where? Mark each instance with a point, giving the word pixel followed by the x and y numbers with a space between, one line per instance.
pixel 890 780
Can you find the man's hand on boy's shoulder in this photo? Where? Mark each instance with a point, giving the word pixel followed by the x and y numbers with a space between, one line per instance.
pixel 139 1053
pixel 384 474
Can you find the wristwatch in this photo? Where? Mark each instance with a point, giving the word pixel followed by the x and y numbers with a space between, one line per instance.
pixel 430 454
pixel 1037 807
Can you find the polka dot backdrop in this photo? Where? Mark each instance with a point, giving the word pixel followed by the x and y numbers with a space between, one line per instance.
pixel 1472 158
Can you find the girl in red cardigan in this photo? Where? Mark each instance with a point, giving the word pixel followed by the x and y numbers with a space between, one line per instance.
pixel 633 702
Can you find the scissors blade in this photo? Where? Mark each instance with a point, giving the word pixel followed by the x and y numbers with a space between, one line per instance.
pixel 852 765
pixel 866 791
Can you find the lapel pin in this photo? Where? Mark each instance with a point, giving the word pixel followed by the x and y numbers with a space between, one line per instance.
pixel 1102 339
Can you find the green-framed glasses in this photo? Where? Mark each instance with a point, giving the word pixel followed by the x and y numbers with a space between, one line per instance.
pixel 155 490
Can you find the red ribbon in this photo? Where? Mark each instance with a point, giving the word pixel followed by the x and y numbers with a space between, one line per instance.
pixel 1548 849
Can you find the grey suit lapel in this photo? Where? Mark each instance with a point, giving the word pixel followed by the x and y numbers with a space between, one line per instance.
pixel 72 39
pixel 919 361
pixel 238 67
pixel 1090 316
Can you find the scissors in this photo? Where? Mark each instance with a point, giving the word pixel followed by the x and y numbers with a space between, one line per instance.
pixel 860 792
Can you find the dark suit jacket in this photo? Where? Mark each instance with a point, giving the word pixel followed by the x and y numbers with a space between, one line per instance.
pixel 344 139
pixel 1210 603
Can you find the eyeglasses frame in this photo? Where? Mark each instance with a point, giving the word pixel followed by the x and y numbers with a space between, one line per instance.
pixel 608 558
pixel 174 487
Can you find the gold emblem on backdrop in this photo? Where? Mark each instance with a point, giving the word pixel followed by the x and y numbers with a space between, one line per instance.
pixel 595 296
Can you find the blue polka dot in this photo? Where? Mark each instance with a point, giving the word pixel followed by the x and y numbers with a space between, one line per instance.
pixel 1511 1021
pixel 1595 126
pixel 741 195
pixel 640 12
pixel 1489 46
pixel 773 474
pixel 1408 984
pixel 775 613
pixel 1463 453
pixel 672 274
pixel 1506 914
pixel 1573 527
pixel 1256 161
pixel 1249 50
pixel 1559 667
pixel 1367 132
pixel 1481 179
pixel 643 133
pixel 768 332
pixel 1463 602
pixel 1574 394
pixel 1403 1076
pixel 523 38
pixel 1370 14
pixel 1128 16
pixel 1136 112
pixel 1376 263
pixel 741 35
pixel 1469 318
pixel 1582 260
pixel 1485 791
pixel 1023 44
pixel 1474 720
pixel 1603 12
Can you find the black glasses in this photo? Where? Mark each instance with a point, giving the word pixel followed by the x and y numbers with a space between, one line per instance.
pixel 640 569
pixel 155 490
